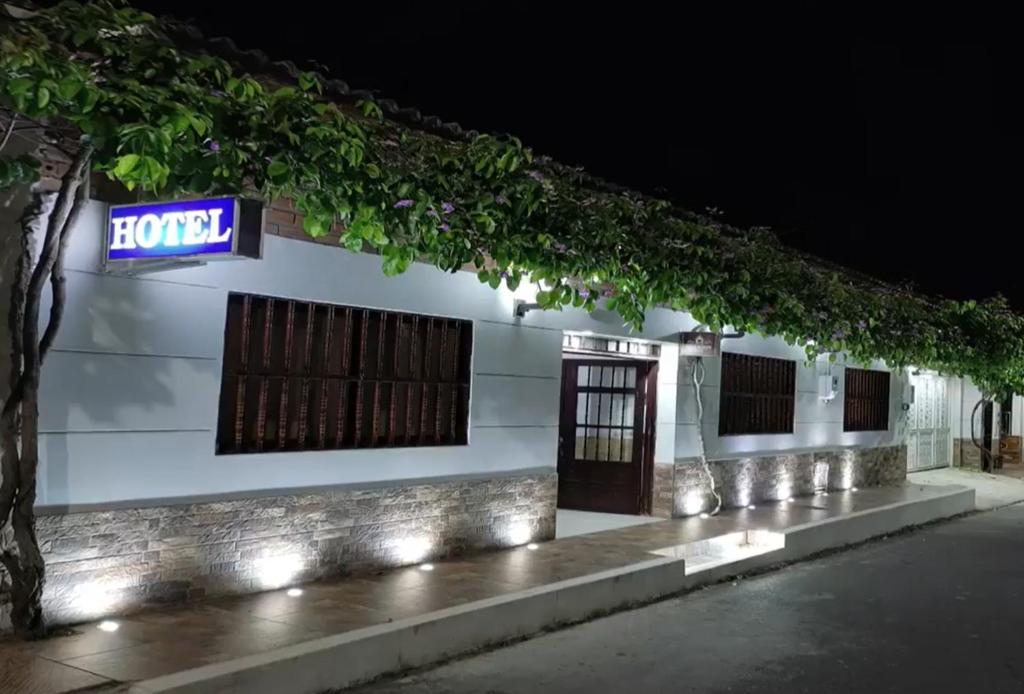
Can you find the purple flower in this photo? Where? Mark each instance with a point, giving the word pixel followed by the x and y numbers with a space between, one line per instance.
pixel 839 334
pixel 862 325
pixel 501 199
pixel 403 203
pixel 561 247
pixel 447 207
pixel 431 212
pixel 444 227
pixel 584 293
pixel 504 274
pixel 213 145
pixel 536 175
pixel 607 292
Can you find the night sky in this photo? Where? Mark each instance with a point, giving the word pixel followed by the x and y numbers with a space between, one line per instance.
pixel 889 141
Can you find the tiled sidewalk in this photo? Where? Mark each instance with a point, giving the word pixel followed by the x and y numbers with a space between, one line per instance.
pixel 159 642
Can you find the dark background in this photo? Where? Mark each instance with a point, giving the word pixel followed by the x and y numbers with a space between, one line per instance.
pixel 885 139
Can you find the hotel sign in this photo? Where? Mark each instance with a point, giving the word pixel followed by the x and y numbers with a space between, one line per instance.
pixel 187 230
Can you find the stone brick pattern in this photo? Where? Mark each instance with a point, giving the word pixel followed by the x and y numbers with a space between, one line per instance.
pixel 662 491
pixel 114 561
pixel 966 454
pixel 743 481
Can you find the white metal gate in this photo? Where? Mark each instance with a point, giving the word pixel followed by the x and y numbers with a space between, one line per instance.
pixel 928 424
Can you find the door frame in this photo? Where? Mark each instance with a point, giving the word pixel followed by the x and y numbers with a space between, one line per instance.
pixel 647 371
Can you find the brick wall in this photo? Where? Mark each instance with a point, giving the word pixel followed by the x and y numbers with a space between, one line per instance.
pixel 682 489
pixel 114 561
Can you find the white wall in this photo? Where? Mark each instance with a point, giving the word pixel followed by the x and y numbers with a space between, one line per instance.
pixel 964 398
pixel 817 424
pixel 130 392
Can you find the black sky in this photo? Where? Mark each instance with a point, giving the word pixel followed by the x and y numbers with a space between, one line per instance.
pixel 887 140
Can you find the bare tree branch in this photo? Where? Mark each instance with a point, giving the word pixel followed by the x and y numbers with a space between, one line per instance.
pixel 7 134
pixel 10 462
pixel 57 278
pixel 62 209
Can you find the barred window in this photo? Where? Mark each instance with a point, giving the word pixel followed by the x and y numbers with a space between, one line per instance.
pixel 311 376
pixel 758 395
pixel 866 400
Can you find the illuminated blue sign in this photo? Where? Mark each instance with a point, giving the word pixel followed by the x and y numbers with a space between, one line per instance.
pixel 204 229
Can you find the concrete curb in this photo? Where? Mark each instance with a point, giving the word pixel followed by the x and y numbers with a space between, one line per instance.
pixel 343 660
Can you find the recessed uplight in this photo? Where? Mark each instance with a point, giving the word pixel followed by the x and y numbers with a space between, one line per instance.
pixel 533 546
pixel 294 592
pixel 108 625
pixel 704 515
pixel 853 489
pixel 426 567
pixel 790 499
pixel 824 493
pixel 751 507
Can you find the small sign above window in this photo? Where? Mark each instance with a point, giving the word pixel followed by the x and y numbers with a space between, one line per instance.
pixel 186 230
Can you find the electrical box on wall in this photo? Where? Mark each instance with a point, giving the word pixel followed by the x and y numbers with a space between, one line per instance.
pixel 908 396
pixel 828 386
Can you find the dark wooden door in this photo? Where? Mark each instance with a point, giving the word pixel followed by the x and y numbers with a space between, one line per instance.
pixel 606 435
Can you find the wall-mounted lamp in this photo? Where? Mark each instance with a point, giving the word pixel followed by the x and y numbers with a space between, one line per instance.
pixel 520 308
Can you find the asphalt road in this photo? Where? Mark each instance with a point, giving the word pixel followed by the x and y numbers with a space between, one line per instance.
pixel 936 610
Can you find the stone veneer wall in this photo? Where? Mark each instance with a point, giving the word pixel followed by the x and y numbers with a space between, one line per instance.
pixel 114 561
pixel 966 454
pixel 682 489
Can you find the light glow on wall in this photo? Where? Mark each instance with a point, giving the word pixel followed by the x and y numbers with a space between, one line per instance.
pixel 278 571
pixel 93 599
pixel 693 503
pixel 519 533
pixel 784 490
pixel 412 549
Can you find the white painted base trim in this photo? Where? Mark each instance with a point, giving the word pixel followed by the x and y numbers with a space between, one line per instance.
pixel 343 660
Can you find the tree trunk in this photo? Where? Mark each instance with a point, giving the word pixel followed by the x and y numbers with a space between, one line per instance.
pixel 19 422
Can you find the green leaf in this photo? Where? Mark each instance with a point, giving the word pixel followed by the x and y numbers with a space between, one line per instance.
pixel 125 165
pixel 69 88
pixel 352 242
pixel 315 226
pixel 42 97
pixel 19 86
pixel 278 171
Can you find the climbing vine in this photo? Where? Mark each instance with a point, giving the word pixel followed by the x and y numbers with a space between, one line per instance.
pixel 167 120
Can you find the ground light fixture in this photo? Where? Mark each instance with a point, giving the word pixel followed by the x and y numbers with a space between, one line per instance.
pixel 853 489
pixel 426 567
pixel 294 592
pixel 751 507
pixel 790 500
pixel 533 546
pixel 108 625
pixel 704 515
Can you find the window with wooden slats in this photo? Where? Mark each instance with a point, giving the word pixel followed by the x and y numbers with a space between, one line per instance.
pixel 758 395
pixel 311 376
pixel 866 400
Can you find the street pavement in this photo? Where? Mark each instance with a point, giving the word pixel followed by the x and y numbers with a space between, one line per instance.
pixel 939 609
